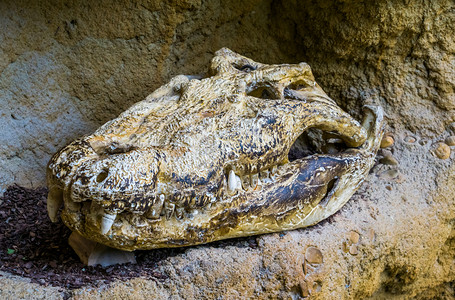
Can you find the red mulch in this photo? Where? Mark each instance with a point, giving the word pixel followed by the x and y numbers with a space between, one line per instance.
pixel 32 246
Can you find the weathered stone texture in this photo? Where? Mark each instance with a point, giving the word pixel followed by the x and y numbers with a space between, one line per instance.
pixel 66 69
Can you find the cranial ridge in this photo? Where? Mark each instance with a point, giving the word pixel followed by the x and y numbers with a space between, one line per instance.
pixel 249 149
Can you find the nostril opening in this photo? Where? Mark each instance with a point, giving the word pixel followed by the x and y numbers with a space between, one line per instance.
pixel 263 93
pixel 244 68
pixel 298 85
pixel 102 175
pixel 290 91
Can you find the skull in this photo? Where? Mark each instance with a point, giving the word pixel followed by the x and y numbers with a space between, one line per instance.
pixel 249 149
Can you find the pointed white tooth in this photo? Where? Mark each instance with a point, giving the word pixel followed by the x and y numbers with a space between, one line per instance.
pixel 155 211
pixel 106 222
pixel 234 182
pixel 231 181
pixel 169 210
pixel 54 202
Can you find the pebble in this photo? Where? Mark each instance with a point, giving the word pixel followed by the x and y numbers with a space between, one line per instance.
pixel 450 140
pixel 354 237
pixel 389 174
pixel 442 151
pixel 410 139
pixel 313 255
pixel 353 250
pixel 387 141
pixel 386 152
pixel 389 160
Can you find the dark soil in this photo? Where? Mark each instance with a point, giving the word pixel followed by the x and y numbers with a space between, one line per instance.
pixel 32 246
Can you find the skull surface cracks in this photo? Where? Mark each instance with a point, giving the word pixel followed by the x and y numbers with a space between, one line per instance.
pixel 250 149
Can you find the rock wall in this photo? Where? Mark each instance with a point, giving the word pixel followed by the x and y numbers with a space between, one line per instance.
pixel 67 68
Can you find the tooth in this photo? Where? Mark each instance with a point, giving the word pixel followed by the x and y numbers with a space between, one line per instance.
pixel 54 202
pixel 191 202
pixel 155 211
pixel 169 210
pixel 179 212
pixel 231 181
pixel 246 182
pixel 254 180
pixel 264 174
pixel 273 170
pixel 106 222
pixel 234 182
pixel 202 200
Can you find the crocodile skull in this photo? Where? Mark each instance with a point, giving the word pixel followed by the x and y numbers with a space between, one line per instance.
pixel 250 149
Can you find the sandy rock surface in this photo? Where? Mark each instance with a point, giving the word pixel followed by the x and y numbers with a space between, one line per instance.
pixel 66 69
